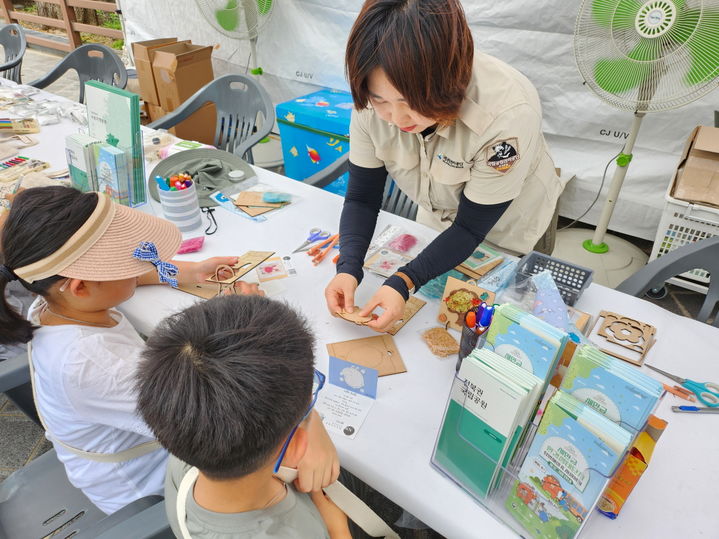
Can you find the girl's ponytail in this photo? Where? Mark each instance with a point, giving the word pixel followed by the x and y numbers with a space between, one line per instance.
pixel 41 220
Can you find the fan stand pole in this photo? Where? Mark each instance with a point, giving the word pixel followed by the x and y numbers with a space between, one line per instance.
pixel 596 244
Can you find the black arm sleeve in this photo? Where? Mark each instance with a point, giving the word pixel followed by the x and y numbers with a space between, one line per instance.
pixel 451 247
pixel 359 217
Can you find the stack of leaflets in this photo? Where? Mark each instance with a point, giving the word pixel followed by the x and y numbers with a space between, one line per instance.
pixel 567 467
pixel 612 387
pixel 524 339
pixel 483 260
pixel 490 405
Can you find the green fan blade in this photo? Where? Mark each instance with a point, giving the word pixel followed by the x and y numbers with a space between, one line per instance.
pixel 617 14
pixel 618 75
pixel 264 6
pixel 229 17
pixel 684 26
pixel 704 47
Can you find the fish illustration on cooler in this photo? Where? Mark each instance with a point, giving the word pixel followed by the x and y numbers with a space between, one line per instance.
pixel 313 154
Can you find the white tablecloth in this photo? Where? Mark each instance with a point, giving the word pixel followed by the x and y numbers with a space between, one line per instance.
pixel 675 497
pixel 392 449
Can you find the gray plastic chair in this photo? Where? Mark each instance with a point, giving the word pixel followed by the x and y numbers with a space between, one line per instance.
pixel 92 62
pixel 12 38
pixel 15 383
pixel 393 199
pixel 239 101
pixel 39 501
pixel 703 254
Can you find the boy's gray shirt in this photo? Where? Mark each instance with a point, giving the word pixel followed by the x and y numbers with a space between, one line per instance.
pixel 293 517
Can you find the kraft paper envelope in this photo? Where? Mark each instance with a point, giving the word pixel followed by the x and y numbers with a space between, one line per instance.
pixel 379 353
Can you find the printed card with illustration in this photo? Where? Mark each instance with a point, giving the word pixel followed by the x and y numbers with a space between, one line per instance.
pixel 458 298
pixel 385 262
pixel 347 398
pixel 271 269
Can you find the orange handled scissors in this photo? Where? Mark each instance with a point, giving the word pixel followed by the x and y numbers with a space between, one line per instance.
pixel 319 253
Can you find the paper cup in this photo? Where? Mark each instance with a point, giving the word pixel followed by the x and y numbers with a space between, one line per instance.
pixel 182 208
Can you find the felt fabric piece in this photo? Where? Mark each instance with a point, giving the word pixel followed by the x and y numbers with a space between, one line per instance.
pixel 209 175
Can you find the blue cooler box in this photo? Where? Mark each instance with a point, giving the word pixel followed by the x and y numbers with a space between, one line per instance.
pixel 314 130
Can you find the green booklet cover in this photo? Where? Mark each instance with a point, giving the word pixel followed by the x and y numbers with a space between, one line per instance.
pixel 113 116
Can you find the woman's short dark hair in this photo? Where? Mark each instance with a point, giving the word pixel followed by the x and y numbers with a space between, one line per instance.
pixel 425 48
pixel 222 383
pixel 41 220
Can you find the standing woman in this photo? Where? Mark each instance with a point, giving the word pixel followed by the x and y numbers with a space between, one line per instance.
pixel 459 132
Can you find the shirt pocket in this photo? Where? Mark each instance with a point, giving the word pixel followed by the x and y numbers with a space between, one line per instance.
pixel 447 183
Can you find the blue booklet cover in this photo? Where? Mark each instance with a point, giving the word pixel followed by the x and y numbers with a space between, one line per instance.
pixel 566 469
pixel 622 393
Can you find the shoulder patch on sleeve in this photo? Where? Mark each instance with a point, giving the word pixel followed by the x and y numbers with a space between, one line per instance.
pixel 501 155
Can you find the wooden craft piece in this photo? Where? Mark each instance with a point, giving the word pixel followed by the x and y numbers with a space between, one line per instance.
pixel 247 262
pixel 355 317
pixel 480 272
pixel 633 335
pixel 254 198
pixel 440 342
pixel 378 353
pixel 253 211
pixel 411 308
pixel 205 290
pixel 458 298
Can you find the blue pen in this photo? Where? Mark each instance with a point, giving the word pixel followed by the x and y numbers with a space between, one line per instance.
pixel 480 312
pixel 486 319
pixel 695 410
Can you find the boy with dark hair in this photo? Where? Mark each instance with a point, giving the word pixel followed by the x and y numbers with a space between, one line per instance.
pixel 226 386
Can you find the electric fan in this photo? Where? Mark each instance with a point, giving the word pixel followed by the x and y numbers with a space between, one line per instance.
pixel 239 19
pixel 639 56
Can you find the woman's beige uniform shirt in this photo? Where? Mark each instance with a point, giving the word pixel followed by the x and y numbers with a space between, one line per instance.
pixel 494 152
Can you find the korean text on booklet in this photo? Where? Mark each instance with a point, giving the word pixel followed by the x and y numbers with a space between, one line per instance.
pixel 612 387
pixel 482 422
pixel 568 465
pixel 526 340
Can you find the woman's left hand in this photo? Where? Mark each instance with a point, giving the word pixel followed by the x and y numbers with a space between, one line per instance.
pixel 393 304
pixel 320 465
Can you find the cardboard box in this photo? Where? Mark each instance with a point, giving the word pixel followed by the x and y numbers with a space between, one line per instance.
pixel 200 126
pixel 697 176
pixel 180 70
pixel 143 51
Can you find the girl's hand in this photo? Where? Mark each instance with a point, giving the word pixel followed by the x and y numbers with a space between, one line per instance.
pixel 198 272
pixel 393 304
pixel 320 465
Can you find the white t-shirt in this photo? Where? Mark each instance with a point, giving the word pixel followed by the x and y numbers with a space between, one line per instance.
pixel 85 387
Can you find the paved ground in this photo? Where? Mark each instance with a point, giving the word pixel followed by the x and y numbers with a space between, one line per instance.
pixel 21 440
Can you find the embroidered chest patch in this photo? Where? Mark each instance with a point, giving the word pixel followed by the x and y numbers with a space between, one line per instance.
pixel 450 162
pixel 503 154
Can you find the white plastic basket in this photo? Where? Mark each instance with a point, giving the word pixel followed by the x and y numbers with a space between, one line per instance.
pixel 682 223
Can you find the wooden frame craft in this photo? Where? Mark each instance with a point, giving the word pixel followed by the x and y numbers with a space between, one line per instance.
pixel 458 298
pixel 628 333
pixel 411 307
pixel 215 287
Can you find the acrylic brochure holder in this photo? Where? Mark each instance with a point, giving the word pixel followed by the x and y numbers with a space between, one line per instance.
pixel 495 483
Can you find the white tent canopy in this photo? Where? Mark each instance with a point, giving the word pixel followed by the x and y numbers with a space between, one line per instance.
pixel 302 47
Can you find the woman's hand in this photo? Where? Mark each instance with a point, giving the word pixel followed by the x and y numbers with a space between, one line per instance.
pixel 393 304
pixel 333 517
pixel 340 293
pixel 320 465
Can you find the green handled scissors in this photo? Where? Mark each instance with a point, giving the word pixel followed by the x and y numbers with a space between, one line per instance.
pixel 707 392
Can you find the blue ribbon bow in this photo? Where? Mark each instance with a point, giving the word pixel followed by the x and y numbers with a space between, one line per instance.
pixel 147 252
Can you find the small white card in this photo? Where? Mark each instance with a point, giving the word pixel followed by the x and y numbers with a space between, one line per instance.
pixel 348 397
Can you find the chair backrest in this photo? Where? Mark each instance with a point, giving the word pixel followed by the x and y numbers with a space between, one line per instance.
pixel 395 201
pixel 92 62
pixel 703 254
pixel 245 114
pixel 12 38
